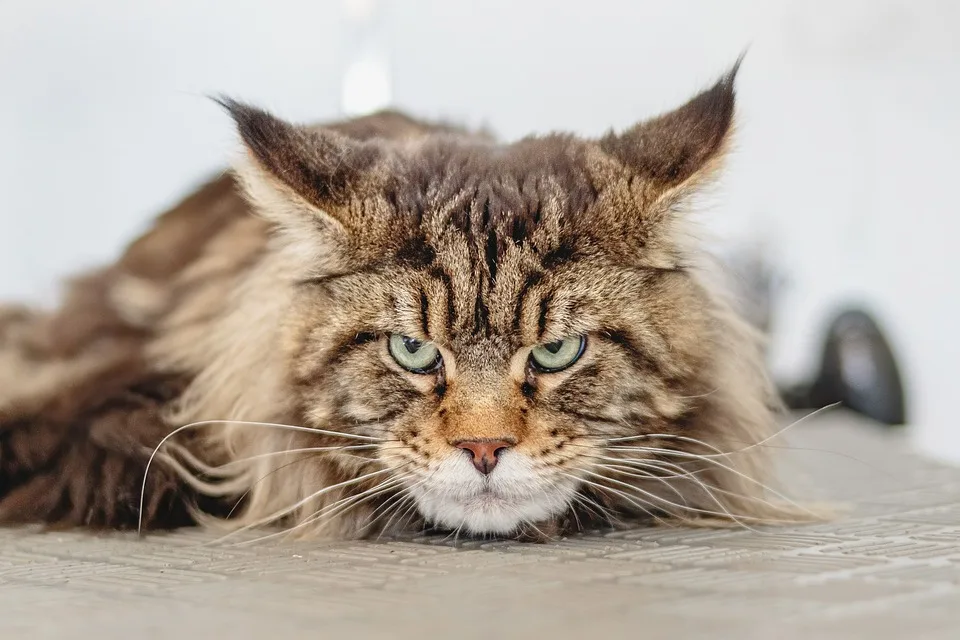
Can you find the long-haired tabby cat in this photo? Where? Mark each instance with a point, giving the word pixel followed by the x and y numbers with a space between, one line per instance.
pixel 382 324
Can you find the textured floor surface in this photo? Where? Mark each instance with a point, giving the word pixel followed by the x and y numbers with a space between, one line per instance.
pixel 890 569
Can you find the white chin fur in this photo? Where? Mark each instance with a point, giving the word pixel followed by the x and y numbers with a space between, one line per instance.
pixel 457 496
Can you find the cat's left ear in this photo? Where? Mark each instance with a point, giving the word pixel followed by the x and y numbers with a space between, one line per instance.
pixel 312 181
pixel 675 152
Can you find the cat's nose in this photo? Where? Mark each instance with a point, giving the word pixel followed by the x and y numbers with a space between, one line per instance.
pixel 485 453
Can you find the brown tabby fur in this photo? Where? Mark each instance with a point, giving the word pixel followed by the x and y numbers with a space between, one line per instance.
pixel 384 225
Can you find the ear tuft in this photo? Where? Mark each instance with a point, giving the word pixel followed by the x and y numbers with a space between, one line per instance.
pixel 674 147
pixel 321 166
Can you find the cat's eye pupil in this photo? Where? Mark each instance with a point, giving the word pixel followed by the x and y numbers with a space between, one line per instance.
pixel 558 355
pixel 553 347
pixel 416 356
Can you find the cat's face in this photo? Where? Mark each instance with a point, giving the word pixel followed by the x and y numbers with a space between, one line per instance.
pixel 498 358
pixel 494 315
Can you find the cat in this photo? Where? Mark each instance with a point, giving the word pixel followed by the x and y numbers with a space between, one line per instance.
pixel 384 324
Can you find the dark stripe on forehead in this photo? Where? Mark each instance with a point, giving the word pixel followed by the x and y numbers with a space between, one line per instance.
pixel 532 280
pixel 424 313
pixel 491 253
pixel 485 214
pixel 416 252
pixel 560 255
pixel 519 231
pixel 544 310
pixel 444 277
pixel 481 314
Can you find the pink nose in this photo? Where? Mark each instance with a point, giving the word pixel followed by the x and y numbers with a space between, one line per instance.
pixel 485 453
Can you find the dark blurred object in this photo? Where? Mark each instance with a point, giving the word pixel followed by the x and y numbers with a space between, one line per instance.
pixel 857 369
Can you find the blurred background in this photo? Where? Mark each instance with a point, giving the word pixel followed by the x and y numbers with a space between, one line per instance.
pixel 836 214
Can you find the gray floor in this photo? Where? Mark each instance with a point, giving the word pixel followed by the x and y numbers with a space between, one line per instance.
pixel 891 569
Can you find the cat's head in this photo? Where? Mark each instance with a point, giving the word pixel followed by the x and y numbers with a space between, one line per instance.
pixel 501 315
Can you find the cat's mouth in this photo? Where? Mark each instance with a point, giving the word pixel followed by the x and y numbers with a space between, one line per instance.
pixel 489 512
pixel 500 504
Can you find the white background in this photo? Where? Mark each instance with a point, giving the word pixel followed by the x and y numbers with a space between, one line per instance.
pixel 845 163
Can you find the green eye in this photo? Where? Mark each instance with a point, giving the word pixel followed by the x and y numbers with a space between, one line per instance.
pixel 558 355
pixel 414 355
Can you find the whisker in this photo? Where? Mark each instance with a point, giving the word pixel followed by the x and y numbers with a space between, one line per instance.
pixel 712 460
pixel 220 471
pixel 623 465
pixel 271 454
pixel 349 502
pixel 343 504
pixel 640 473
pixel 707 487
pixel 205 423
pixel 406 506
pixel 409 516
pixel 523 523
pixel 596 508
pixel 195 462
pixel 261 479
pixel 711 488
pixel 282 512
pixel 192 480
pixel 617 492
pixel 654 496
pixel 346 503
pixel 390 502
pixel 573 512
pixel 776 434
pixel 389 508
pixel 763 443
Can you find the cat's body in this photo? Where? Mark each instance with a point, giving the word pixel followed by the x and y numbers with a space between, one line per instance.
pixel 511 338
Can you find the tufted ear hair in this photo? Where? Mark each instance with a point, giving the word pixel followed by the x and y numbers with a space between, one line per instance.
pixel 677 150
pixel 322 189
pixel 313 173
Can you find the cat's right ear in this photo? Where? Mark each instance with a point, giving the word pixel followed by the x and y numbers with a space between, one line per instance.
pixel 305 176
pixel 674 153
